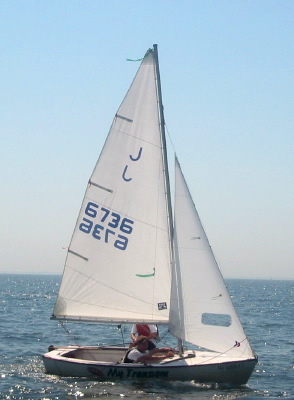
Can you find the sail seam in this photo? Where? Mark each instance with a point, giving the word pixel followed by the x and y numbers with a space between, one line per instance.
pixel 103 284
pixel 137 138
pixel 159 320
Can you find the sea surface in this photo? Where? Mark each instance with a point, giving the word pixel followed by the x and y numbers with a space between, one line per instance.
pixel 26 302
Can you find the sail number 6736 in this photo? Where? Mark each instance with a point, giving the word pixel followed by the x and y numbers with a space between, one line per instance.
pixel 110 223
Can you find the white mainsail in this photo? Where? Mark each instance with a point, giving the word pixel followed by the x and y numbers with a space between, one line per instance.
pixel 118 263
pixel 202 312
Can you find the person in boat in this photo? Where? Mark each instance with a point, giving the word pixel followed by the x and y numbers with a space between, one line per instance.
pixel 150 331
pixel 140 352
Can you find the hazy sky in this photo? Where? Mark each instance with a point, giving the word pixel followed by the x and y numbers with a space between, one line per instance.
pixel 227 70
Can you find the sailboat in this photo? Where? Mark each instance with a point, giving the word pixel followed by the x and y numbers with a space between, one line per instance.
pixel 133 260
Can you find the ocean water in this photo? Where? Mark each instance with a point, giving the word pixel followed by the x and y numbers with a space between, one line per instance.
pixel 26 331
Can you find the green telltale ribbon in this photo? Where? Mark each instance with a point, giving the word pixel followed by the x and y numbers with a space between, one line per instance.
pixel 146 276
pixel 139 59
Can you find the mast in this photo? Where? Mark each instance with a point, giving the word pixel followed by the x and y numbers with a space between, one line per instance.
pixel 165 162
pixel 164 150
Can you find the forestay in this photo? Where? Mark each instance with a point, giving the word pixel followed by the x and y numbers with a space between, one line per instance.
pixel 118 263
pixel 201 309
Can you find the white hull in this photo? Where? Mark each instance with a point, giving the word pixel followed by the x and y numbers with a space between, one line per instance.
pixel 104 363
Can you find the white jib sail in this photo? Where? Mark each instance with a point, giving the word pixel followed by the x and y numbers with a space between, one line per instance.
pixel 118 263
pixel 201 309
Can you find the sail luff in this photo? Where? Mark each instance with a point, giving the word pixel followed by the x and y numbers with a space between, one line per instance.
pixel 166 174
pixel 164 147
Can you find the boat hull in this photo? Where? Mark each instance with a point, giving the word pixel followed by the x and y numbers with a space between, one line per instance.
pixel 104 364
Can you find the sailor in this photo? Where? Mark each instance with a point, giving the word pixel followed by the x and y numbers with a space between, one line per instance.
pixel 150 331
pixel 140 352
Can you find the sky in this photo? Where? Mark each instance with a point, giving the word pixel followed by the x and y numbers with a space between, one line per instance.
pixel 227 72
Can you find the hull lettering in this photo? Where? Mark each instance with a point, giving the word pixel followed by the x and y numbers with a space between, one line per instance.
pixel 133 373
